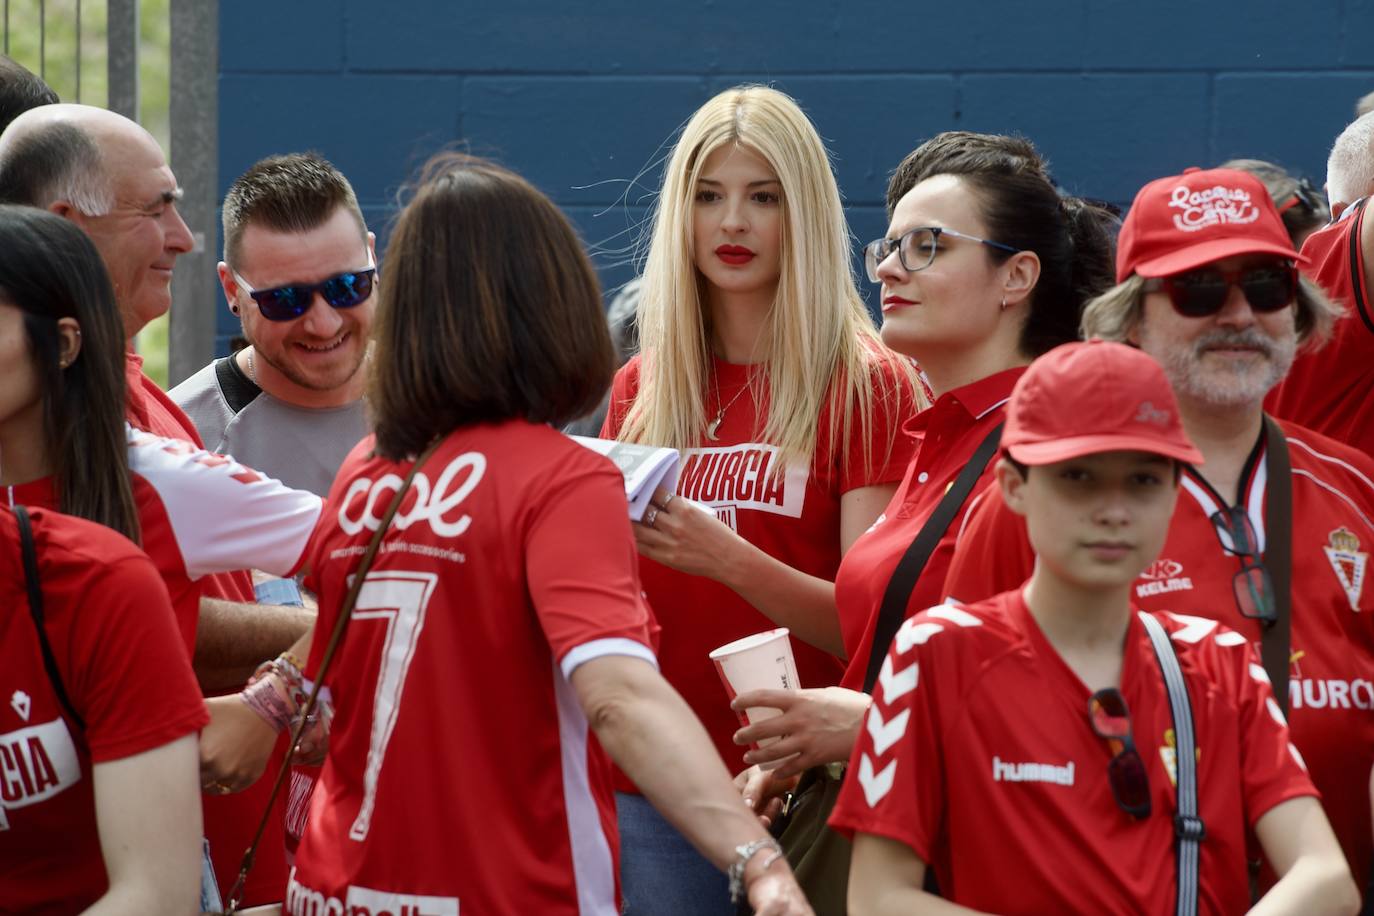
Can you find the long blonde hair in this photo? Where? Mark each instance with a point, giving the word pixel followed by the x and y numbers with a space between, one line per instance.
pixel 820 342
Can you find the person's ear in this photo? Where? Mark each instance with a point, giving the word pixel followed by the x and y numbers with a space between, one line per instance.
pixel 1012 485
pixel 68 341
pixel 229 285
pixel 1023 272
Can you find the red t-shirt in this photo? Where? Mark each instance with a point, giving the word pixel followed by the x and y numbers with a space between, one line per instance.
pixel 461 771
pixel 110 626
pixel 1331 390
pixel 1331 691
pixel 978 754
pixel 203 513
pixel 949 433
pixel 794 517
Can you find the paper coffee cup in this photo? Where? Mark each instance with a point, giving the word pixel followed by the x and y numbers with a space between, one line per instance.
pixel 759 662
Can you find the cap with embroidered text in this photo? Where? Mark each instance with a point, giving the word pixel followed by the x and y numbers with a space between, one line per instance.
pixel 1084 398
pixel 1185 221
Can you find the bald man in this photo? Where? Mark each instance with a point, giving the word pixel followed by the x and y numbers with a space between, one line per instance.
pixel 108 175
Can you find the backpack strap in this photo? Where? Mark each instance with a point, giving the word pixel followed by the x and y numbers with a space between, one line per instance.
pixel 1189 830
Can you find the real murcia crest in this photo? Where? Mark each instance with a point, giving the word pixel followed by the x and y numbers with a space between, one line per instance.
pixel 1348 562
pixel 21 704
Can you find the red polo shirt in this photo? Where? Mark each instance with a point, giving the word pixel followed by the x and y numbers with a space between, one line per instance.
pixel 949 432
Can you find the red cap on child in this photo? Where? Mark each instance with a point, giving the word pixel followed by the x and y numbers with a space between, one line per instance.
pixel 1084 398
pixel 1185 221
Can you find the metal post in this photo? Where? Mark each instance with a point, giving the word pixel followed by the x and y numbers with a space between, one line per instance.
pixel 122 44
pixel 195 160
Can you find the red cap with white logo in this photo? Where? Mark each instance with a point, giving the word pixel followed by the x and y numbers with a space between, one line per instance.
pixel 1084 398
pixel 1186 221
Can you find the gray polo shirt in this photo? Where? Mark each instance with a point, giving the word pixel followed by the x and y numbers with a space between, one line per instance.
pixel 302 447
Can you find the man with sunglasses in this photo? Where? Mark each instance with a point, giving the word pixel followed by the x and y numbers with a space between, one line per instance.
pixel 1332 390
pixel 1207 285
pixel 1023 747
pixel 299 271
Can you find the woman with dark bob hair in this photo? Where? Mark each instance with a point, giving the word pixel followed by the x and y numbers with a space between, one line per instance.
pixel 98 786
pixel 984 267
pixel 501 625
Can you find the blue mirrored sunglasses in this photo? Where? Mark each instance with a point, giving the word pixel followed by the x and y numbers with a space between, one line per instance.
pixel 285 303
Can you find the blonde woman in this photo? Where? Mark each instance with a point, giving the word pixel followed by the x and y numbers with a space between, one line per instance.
pixel 760 363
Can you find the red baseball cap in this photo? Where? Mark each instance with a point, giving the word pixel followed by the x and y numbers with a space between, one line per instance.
pixel 1084 398
pixel 1185 221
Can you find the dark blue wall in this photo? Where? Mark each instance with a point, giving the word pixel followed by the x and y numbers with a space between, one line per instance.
pixel 580 96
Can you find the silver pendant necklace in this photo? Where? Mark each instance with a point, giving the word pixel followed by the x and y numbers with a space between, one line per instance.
pixel 715 424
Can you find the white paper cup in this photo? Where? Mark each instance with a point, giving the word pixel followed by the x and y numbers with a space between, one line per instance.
pixel 759 662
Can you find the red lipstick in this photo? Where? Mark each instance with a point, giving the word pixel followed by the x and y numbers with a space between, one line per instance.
pixel 896 302
pixel 734 254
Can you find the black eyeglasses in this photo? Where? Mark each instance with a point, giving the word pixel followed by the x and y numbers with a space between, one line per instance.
pixel 1252 587
pixel 1201 293
pixel 916 249
pixel 1111 719
pixel 285 303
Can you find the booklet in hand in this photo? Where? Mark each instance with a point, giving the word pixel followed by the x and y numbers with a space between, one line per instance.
pixel 645 467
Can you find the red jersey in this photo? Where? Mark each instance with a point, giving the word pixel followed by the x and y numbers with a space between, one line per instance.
pixel 793 516
pixel 110 626
pixel 461 770
pixel 203 513
pixel 1331 690
pixel 979 755
pixel 949 433
pixel 1331 390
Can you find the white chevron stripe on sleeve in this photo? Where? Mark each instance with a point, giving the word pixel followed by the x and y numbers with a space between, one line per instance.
pixel 875 786
pixel 896 685
pixel 886 734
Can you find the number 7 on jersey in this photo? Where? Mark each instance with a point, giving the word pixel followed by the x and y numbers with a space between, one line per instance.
pixel 399 599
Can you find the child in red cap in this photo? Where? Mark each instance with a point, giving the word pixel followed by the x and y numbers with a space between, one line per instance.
pixel 1024 747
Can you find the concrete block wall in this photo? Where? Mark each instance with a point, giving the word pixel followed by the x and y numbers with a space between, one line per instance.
pixel 581 97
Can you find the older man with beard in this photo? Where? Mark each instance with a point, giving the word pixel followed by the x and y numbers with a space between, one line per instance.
pixel 1208 285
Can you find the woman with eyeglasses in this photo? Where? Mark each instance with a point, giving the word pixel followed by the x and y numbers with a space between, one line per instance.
pixel 984 266
pixel 99 806
pixel 761 365
pixel 1033 749
pixel 1278 515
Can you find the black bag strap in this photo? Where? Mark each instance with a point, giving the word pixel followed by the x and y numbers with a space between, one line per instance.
pixel 913 562
pixel 30 554
pixel 335 637
pixel 1275 640
pixel 1189 829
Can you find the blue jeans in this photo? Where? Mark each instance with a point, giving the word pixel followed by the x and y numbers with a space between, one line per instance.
pixel 661 874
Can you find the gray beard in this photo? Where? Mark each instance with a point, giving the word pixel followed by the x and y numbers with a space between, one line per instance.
pixel 1241 387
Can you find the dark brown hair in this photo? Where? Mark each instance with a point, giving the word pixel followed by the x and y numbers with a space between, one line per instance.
pixel 292 193
pixel 489 309
pixel 20 90
pixel 49 269
pixel 1074 239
